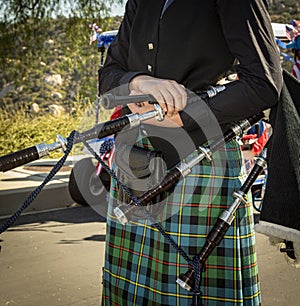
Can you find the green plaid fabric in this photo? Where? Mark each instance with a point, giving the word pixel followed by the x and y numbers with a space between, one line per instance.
pixel 141 268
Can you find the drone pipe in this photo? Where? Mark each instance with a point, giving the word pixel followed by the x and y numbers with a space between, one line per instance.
pixel 124 211
pixel 236 130
pixel 219 230
pixel 16 159
pixel 104 129
pixel 19 158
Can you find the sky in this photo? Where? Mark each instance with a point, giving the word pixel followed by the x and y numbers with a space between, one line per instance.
pixel 118 10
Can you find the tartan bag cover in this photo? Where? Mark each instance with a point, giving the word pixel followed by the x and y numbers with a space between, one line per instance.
pixel 141 267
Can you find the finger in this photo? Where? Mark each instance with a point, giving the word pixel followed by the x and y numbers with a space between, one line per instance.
pixel 168 100
pixel 175 96
pixel 179 94
pixel 161 100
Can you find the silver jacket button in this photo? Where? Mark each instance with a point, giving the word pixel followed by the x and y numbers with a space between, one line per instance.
pixel 150 46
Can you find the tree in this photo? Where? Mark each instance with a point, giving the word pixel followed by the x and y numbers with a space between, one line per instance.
pixel 39 38
pixel 22 10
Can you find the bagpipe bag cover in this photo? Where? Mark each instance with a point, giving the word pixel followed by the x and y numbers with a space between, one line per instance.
pixel 280 216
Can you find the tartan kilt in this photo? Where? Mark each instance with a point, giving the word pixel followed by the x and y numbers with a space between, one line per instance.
pixel 141 267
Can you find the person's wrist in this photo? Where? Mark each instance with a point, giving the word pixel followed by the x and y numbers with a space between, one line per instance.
pixel 136 81
pixel 133 84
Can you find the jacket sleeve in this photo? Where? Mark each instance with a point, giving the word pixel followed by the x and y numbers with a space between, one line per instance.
pixel 248 33
pixel 115 72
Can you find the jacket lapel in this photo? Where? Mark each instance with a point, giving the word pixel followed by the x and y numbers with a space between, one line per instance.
pixel 166 6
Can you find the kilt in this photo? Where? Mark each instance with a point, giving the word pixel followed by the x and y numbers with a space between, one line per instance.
pixel 141 267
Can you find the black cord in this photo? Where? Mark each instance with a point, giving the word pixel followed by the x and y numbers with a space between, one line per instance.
pixel 153 221
pixel 198 269
pixel 70 142
pixel 11 220
pixel 195 263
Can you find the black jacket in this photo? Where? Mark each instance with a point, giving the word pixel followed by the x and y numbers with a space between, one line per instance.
pixel 282 199
pixel 195 43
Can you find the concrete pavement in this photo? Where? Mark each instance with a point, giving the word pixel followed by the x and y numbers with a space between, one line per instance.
pixel 17 184
pixel 53 258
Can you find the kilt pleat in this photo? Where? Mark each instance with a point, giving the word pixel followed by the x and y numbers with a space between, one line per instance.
pixel 141 267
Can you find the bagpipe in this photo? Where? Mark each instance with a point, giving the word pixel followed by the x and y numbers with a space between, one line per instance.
pixel 19 158
pixel 99 131
pixel 111 127
pixel 190 280
pixel 124 211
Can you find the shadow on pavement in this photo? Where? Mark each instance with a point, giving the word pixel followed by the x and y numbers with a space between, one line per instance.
pixel 96 238
pixel 80 214
pixel 34 177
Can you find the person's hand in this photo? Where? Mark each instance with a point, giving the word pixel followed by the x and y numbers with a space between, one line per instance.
pixel 171 96
pixel 144 107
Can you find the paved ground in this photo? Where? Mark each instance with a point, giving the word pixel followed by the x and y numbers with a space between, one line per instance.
pixel 17 184
pixel 55 258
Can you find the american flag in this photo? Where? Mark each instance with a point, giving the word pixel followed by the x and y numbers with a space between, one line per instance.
pixel 289 32
pixel 106 154
pixel 93 37
pixel 94 32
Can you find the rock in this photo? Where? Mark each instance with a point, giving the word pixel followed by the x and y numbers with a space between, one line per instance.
pixel 53 80
pixel 56 110
pixel 48 43
pixel 34 108
pixel 6 89
pixel 57 95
